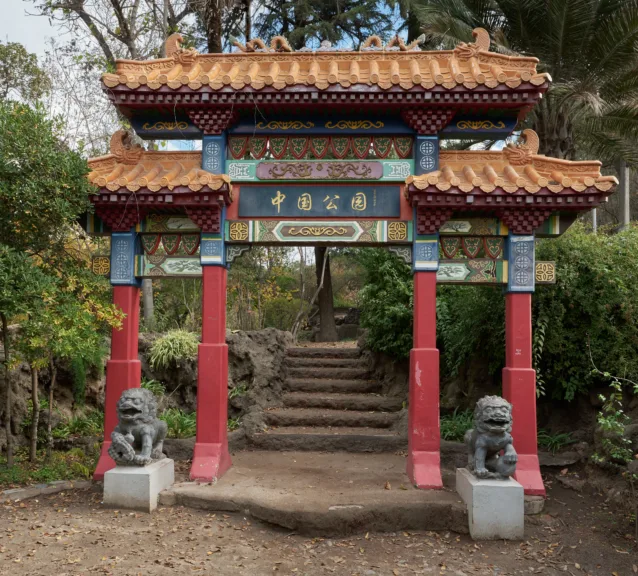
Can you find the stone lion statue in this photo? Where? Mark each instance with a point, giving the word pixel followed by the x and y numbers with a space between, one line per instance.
pixel 138 438
pixel 491 453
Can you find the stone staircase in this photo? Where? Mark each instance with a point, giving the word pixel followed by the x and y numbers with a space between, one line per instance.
pixel 330 403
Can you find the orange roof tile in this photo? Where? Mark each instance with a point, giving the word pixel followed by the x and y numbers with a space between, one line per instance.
pixel 257 66
pixel 514 169
pixel 130 167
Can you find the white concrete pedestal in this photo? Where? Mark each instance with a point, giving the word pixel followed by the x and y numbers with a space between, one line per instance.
pixel 138 487
pixel 495 508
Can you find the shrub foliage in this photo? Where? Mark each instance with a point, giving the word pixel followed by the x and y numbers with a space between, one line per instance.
pixel 173 348
pixel 594 303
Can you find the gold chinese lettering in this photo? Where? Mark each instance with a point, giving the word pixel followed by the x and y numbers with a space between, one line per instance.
pixel 331 205
pixel 277 200
pixel 359 202
pixel 304 202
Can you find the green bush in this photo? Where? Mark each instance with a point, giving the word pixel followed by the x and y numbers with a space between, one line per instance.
pixel 89 424
pixel 155 386
pixel 386 302
pixel 281 312
pixel 173 348
pixel 180 424
pixel 455 425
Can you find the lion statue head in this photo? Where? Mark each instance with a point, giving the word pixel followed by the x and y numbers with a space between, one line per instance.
pixel 136 405
pixel 493 415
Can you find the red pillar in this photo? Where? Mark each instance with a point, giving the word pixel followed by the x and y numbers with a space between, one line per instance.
pixel 211 458
pixel 519 388
pixel 424 435
pixel 123 370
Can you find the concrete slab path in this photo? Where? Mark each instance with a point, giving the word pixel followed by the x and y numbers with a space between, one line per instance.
pixel 325 494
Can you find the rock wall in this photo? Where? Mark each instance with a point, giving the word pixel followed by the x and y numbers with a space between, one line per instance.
pixel 255 374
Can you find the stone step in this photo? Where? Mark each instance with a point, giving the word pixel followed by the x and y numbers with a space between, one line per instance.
pixel 312 352
pixel 298 362
pixel 324 385
pixel 341 401
pixel 328 439
pixel 286 417
pixel 329 372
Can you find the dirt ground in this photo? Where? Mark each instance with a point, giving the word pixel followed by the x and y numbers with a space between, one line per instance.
pixel 72 533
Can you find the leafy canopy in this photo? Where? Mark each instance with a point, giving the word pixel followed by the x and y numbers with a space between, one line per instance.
pixel 588 47
pixel 43 185
pixel 20 75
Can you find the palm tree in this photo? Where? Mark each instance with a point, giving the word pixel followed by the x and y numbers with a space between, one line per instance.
pixel 589 47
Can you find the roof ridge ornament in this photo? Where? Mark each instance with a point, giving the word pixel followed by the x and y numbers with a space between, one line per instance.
pixel 522 153
pixel 173 49
pixel 123 148
pixel 466 51
pixel 396 43
pixel 277 44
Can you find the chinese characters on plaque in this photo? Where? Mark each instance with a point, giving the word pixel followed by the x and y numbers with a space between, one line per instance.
pixel 319 201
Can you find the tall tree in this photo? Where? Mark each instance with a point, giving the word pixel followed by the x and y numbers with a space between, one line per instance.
pixel 43 189
pixel 21 77
pixel 588 47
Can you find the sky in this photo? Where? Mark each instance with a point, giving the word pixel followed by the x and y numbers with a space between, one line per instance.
pixel 17 26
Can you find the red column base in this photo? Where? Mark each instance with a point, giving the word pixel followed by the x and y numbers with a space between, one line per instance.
pixel 424 470
pixel 210 462
pixel 424 441
pixel 528 475
pixel 105 463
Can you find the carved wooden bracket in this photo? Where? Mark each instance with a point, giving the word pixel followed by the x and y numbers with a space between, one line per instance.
pixel 523 221
pixel 208 218
pixel 213 120
pixel 430 219
pixel 121 218
pixel 428 120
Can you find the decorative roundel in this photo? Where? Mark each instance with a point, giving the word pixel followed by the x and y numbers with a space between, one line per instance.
pixel 522 262
pixel 426 252
pixel 213 151
pixel 522 278
pixel 427 163
pixel 522 248
pixel 426 148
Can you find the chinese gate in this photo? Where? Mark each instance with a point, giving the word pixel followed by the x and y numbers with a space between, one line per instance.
pixel 334 147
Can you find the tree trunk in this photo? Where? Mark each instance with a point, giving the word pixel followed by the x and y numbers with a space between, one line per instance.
pixel 35 414
pixel 213 23
pixel 623 195
pixel 327 325
pixel 249 20
pixel 54 374
pixel 147 303
pixel 7 380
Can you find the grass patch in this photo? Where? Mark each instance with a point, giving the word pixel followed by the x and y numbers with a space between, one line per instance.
pixel 173 348
pixel 455 425
pixel 180 424
pixel 71 465
pixel 554 442
pixel 155 386
pixel 89 424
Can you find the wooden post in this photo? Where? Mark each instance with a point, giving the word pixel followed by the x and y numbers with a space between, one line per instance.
pixel 211 458
pixel 123 370
pixel 424 436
